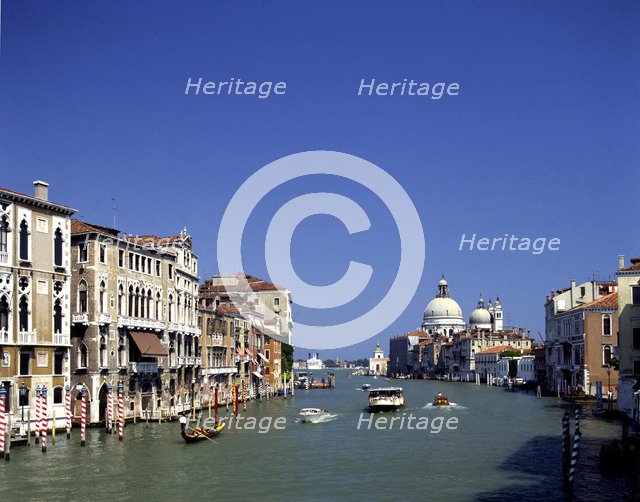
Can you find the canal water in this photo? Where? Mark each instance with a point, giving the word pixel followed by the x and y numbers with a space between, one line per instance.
pixel 506 446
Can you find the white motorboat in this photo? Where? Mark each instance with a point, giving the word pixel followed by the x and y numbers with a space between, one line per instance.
pixel 313 415
pixel 386 399
pixel 366 386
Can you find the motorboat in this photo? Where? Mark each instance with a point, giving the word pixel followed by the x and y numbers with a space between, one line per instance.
pixel 366 386
pixel 313 415
pixel 440 400
pixel 386 399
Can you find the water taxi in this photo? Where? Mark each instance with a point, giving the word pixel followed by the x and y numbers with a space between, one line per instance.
pixel 440 400
pixel 386 399
pixel 313 415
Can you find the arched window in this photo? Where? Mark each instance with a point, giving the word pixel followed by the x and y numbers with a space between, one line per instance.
pixel 57 248
pixel 131 301
pixel 158 307
pixel 606 354
pixel 149 313
pixel 102 296
pixel 24 240
pixel 170 308
pixel 103 352
pixel 57 395
pixel 4 235
pixel 83 356
pixel 121 309
pixel 82 297
pixel 57 317
pixel 606 325
pixel 122 356
pixel 139 303
pixel 23 314
pixel 4 313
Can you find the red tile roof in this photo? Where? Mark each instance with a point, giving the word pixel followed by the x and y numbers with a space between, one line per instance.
pixel 609 301
pixel 255 283
pixel 496 350
pixel 635 265
pixel 80 227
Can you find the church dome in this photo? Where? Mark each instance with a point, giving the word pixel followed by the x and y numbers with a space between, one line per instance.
pixel 480 316
pixel 442 307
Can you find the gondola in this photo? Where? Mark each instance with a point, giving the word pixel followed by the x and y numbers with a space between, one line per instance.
pixel 200 434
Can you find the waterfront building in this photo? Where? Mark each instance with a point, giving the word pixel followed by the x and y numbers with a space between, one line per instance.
pixel 401 350
pixel 35 279
pixel 134 319
pixel 218 347
pixel 540 363
pixel 585 340
pixel 629 337
pixel 378 363
pixel 274 301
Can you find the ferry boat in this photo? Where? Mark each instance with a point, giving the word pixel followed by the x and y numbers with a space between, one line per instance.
pixel 440 400
pixel 386 399
pixel 313 415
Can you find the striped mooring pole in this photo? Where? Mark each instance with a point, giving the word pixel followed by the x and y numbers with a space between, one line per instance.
pixel 215 404
pixel 109 424
pixel 566 444
pixel 244 395
pixel 574 462
pixel 43 416
pixel 83 417
pixel 36 429
pixel 3 418
pixel 67 409
pixel 235 400
pixel 120 411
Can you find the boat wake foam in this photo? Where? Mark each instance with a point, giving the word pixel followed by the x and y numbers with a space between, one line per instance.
pixel 450 406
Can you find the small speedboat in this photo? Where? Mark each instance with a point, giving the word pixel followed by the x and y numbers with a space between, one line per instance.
pixel 200 434
pixel 440 400
pixel 313 415
pixel 366 386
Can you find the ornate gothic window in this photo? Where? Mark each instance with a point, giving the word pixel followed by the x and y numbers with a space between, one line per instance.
pixel 82 297
pixel 23 314
pixel 24 240
pixel 57 248
pixel 57 317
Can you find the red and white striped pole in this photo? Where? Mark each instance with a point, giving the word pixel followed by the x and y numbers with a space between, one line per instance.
pixel 120 411
pixel 3 418
pixel 43 413
pixel 83 417
pixel 67 409
pixel 37 425
pixel 109 408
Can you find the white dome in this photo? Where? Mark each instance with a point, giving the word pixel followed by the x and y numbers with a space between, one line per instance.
pixel 442 307
pixel 480 316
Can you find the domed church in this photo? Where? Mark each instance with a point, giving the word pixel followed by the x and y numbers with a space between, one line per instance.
pixel 443 315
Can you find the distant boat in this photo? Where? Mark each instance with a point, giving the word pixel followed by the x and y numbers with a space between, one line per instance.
pixel 313 415
pixel 386 399
pixel 366 386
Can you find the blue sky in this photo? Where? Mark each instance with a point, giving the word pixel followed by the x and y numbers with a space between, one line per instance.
pixel 541 141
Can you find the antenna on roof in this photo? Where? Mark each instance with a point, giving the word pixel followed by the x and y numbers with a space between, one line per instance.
pixel 114 209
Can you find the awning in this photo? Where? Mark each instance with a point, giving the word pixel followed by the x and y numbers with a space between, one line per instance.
pixel 263 357
pixel 258 375
pixel 148 343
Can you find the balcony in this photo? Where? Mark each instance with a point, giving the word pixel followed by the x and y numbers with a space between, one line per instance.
pixel 190 361
pixel 80 318
pixel 139 322
pixel 178 327
pixel 181 360
pixel 59 339
pixel 198 361
pixel 143 367
pixel 104 318
pixel 221 370
pixel 27 337
pixel 5 336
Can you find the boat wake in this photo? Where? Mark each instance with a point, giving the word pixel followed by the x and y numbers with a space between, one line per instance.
pixel 320 420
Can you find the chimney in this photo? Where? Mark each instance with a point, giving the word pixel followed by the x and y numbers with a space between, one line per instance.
pixel 620 262
pixel 41 190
